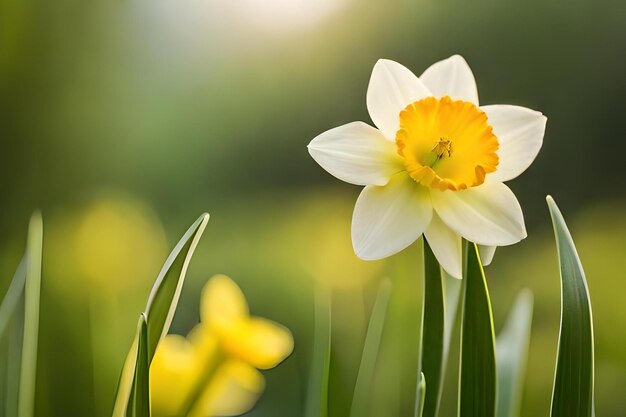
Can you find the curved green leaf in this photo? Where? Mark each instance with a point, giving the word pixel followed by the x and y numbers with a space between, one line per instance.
pixel 574 378
pixel 433 335
pixel 12 298
pixel 317 391
pixel 11 339
pixel 452 291
pixel 19 329
pixel 139 404
pixel 421 394
pixel 32 289
pixel 160 308
pixel 477 381
pixel 363 386
pixel 511 353
pixel 166 290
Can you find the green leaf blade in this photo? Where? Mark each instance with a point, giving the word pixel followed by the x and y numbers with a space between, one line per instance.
pixel 32 290
pixel 160 309
pixel 11 300
pixel 421 394
pixel 433 350
pixel 11 339
pixel 452 292
pixel 140 396
pixel 511 353
pixel 166 290
pixel 477 381
pixel 317 391
pixel 367 368
pixel 573 393
pixel 17 378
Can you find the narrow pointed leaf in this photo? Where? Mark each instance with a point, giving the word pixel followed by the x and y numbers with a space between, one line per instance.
pixel 511 353
pixel 421 394
pixel 433 335
pixel 161 307
pixel 573 393
pixel 11 339
pixel 365 377
pixel 452 292
pixel 166 290
pixel 14 362
pixel 139 405
pixel 12 298
pixel 317 391
pixel 477 381
pixel 32 289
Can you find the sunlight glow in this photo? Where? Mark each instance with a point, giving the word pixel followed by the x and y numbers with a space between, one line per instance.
pixel 288 14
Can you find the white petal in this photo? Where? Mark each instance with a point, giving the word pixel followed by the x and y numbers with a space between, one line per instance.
pixel 356 153
pixel 486 253
pixel 451 77
pixel 488 214
pixel 388 219
pixel 392 87
pixel 446 246
pixel 520 135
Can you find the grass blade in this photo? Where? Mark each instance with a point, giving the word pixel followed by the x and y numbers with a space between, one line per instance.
pixel 452 292
pixel 573 393
pixel 166 290
pixel 317 392
pixel 139 405
pixel 433 335
pixel 11 338
pixel 365 377
pixel 32 289
pixel 12 298
pixel 511 353
pixel 477 383
pixel 160 308
pixel 421 394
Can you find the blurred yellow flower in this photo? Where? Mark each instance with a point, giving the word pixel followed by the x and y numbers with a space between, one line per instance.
pixel 213 372
pixel 257 341
pixel 116 241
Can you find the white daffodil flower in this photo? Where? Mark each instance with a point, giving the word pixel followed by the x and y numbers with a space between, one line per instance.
pixel 435 165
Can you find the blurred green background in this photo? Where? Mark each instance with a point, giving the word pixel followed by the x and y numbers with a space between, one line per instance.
pixel 123 121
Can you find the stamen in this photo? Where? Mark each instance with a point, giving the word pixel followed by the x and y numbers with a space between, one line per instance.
pixel 444 146
pixel 423 142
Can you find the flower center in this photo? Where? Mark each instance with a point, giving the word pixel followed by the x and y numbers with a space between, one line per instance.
pixel 446 144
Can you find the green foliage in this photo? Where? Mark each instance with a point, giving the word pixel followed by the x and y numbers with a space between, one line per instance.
pixel 421 393
pixel 11 339
pixel 477 382
pixel 139 403
pixel 32 289
pixel 166 290
pixel 363 386
pixel 317 391
pixel 19 329
pixel 511 353
pixel 158 317
pixel 14 295
pixel 433 336
pixel 573 394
